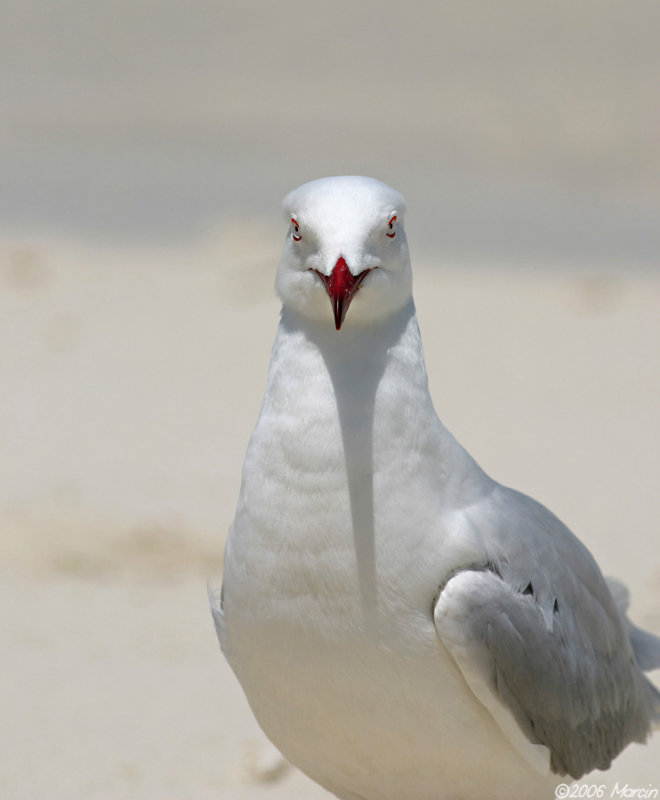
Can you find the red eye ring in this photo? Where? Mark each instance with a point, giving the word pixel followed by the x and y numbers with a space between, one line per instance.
pixel 295 233
pixel 390 225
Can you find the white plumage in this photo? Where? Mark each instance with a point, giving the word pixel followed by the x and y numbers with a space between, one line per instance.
pixel 403 626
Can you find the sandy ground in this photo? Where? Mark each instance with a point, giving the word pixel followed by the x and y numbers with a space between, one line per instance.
pixel 130 383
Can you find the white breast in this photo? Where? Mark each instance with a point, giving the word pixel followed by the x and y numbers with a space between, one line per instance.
pixel 330 575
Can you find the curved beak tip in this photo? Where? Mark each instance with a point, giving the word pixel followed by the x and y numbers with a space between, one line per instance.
pixel 339 310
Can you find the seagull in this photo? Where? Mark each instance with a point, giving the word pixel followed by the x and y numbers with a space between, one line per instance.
pixel 403 626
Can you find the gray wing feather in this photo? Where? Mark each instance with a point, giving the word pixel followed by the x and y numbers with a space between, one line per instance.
pixel 538 635
pixel 645 645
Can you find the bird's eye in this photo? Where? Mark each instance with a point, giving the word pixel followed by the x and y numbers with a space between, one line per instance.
pixel 295 230
pixel 391 227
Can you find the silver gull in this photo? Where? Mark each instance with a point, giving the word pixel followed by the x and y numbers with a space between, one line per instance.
pixel 404 627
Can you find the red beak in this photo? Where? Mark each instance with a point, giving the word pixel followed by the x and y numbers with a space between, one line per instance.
pixel 342 286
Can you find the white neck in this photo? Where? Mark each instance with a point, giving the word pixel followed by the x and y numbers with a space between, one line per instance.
pixel 361 362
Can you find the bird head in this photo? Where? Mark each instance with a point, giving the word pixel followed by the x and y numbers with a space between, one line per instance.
pixel 345 238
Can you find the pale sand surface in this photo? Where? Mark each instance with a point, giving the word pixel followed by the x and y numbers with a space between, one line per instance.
pixel 130 382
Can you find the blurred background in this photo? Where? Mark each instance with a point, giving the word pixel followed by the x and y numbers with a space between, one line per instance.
pixel 144 151
pixel 517 129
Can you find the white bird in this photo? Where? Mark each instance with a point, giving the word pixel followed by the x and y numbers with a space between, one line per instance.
pixel 404 627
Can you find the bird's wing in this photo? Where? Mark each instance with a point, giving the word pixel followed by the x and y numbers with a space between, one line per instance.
pixel 645 645
pixel 540 641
